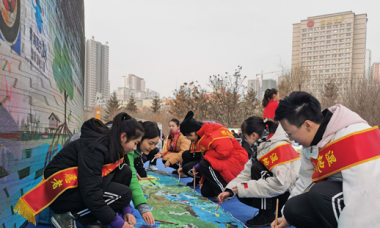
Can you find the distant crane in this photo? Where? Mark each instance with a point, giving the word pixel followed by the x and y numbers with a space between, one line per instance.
pixel 262 73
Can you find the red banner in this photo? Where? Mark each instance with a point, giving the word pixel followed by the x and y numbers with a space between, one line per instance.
pixel 281 154
pixel 346 152
pixel 41 196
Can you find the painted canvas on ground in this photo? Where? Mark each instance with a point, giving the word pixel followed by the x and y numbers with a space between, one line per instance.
pixel 41 91
pixel 181 205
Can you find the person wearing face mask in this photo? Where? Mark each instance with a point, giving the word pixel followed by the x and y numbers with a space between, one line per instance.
pixel 269 175
pixel 146 149
pixel 174 147
pixel 88 180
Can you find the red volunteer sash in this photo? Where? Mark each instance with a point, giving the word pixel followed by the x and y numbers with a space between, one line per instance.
pixel 41 196
pixel 346 152
pixel 281 154
pixel 204 143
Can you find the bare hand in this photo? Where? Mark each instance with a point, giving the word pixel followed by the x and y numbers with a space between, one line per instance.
pixel 157 156
pixel 148 218
pixel 200 186
pixel 195 172
pixel 167 164
pixel 235 190
pixel 138 177
pixel 130 218
pixel 281 223
pixel 180 171
pixel 126 225
pixel 222 196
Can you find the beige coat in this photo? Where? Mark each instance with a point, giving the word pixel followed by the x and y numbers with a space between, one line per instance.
pixel 182 145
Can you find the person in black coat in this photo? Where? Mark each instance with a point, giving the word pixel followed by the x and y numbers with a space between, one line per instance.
pixel 97 198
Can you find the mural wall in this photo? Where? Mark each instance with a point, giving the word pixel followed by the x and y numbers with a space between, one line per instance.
pixel 41 91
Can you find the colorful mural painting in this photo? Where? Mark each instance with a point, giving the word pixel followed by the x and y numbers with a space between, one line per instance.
pixel 41 91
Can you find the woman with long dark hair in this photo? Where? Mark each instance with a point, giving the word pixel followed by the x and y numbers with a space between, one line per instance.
pixel 270 102
pixel 89 179
pixel 270 174
pixel 174 147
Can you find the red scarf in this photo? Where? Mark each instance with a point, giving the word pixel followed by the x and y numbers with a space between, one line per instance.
pixel 172 141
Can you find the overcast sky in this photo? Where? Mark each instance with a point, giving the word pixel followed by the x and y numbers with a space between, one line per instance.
pixel 168 42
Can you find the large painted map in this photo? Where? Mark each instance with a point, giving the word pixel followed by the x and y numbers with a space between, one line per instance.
pixel 181 205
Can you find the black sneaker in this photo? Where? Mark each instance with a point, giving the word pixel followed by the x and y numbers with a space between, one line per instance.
pixel 261 218
pixel 63 221
pixel 191 184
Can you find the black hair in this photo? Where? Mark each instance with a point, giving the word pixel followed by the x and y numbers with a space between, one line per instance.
pixel 299 107
pixel 255 124
pixel 188 133
pixel 122 123
pixel 268 95
pixel 175 121
pixel 151 130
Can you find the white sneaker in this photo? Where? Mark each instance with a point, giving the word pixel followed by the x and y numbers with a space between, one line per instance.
pixel 152 168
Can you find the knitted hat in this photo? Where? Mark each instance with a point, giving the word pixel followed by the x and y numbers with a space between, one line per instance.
pixel 189 124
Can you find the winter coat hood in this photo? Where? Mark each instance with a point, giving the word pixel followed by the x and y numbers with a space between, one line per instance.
pixel 208 128
pixel 342 117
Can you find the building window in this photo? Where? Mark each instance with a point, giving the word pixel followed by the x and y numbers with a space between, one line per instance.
pixel 340 70
pixel 327 75
pixel 341 45
pixel 310 48
pixel 322 47
pixel 334 51
pixel 303 35
pixel 328 42
pixel 341 50
pixel 321 52
pixel 303 49
pixel 342 25
pixel 333 70
pixel 342 30
pixel 304 44
pixel 335 26
pixel 348 49
pixel 335 31
pixel 335 41
pixel 322 33
pixel 348 30
pixel 321 66
pixel 341 40
pixel 314 67
pixel 321 61
pixel 308 58
pixel 328 37
pixel 341 35
pixel 316 29
pixel 315 71
pixel 348 24
pixel 315 48
pixel 315 53
pixel 310 39
pixel 347 64
pixel 309 53
pixel 321 57
pixel 334 46
pixel 346 74
pixel 322 28
pixel 327 71
pixel 310 30
pixel 340 60
pixel 309 44
pixel 328 27
pixel 315 38
pixel 340 65
pixel 340 55
pixel 347 59
pixel 304 30
pixel 348 39
pixel 347 54
pixel 321 71
pixel 327 66
pixel 316 34
pixel 322 37
pixel 328 46
pixel 315 43
pixel 322 42
pixel 347 69
pixel 315 57
pixel 327 61
pixel 310 34
pixel 348 34
pixel 348 44
pixel 303 40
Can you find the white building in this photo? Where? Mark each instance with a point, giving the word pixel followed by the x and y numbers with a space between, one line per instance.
pixel 150 94
pixel 96 72
pixel 367 63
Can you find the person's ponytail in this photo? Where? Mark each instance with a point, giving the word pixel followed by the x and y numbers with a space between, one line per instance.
pixel 255 124
pixel 268 95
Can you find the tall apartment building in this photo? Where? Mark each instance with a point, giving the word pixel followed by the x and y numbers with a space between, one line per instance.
pixel 331 46
pixel 136 83
pixel 150 94
pixel 367 64
pixel 376 72
pixel 96 72
pixel 268 84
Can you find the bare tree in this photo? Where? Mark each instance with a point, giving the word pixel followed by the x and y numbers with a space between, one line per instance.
pixel 295 80
pixel 329 94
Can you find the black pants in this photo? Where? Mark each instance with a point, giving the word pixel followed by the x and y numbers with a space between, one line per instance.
pixel 259 171
pixel 116 194
pixel 214 184
pixel 189 161
pixel 139 162
pixel 318 208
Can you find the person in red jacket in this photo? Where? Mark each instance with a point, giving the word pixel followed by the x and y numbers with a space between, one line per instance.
pixel 223 156
pixel 270 102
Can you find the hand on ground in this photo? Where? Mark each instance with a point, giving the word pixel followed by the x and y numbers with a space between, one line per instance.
pixel 148 218
pixel 222 196
pixel 138 177
pixel 281 223
pixel 180 171
pixel 130 218
pixel 167 164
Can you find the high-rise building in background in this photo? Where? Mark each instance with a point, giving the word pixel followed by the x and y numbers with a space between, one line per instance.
pixel 259 86
pixel 367 64
pixel 133 85
pixel 375 72
pixel 96 72
pixel 268 84
pixel 330 47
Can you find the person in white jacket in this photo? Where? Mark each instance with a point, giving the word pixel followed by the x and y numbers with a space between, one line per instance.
pixel 340 166
pixel 269 175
